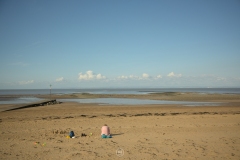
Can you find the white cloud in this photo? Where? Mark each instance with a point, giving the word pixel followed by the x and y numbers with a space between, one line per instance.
pixel 26 82
pixel 99 76
pixel 132 77
pixel 221 79
pixel 59 79
pixel 89 75
pixel 159 76
pixel 122 77
pixel 172 74
pixel 145 76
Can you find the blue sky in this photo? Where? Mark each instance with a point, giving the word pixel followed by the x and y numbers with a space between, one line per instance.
pixel 127 43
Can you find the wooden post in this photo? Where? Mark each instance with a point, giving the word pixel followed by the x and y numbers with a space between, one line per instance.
pixel 50 89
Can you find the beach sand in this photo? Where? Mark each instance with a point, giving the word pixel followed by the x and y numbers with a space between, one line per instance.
pixel 139 131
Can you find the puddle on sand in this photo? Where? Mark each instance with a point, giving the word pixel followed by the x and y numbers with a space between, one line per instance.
pixel 127 101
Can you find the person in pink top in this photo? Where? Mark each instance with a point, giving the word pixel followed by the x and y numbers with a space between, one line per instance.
pixel 105 132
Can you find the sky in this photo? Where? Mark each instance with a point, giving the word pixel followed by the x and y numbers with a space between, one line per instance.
pixel 116 44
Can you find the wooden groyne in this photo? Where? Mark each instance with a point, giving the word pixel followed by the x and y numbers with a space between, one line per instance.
pixel 36 104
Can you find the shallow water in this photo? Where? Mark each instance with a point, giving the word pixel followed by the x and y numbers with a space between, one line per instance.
pixel 21 100
pixel 128 101
pixel 109 101
pixel 119 91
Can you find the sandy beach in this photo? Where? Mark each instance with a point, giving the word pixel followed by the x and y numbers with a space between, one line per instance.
pixel 138 131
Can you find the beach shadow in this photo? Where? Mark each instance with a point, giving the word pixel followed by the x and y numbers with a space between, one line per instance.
pixel 116 134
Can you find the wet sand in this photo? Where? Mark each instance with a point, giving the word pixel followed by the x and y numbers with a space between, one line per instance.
pixel 139 131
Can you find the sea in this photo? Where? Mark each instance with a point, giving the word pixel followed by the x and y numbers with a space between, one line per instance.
pixel 27 95
pixel 119 91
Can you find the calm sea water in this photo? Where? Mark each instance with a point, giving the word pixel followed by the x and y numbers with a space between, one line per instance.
pixel 21 100
pixel 120 91
pixel 27 96
pixel 130 101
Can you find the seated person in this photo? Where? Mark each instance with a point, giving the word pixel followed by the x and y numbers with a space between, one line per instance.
pixel 105 132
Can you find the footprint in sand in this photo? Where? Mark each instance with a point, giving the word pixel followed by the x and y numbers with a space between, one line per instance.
pixel 59 141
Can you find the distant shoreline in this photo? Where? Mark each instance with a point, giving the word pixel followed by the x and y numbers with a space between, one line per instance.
pixel 166 96
pixel 17 92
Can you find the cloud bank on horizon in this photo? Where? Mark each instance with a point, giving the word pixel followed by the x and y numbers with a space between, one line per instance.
pixel 89 75
pixel 171 79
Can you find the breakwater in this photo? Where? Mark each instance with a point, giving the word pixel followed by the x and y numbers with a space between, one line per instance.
pixel 36 104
